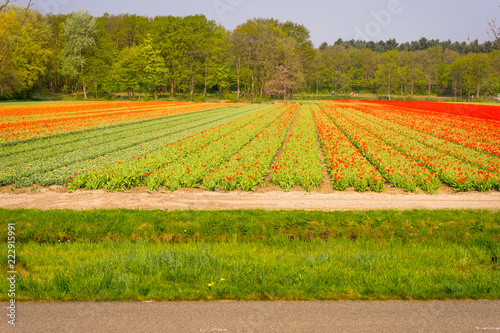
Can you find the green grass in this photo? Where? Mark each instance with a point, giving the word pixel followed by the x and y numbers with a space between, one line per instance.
pixel 134 255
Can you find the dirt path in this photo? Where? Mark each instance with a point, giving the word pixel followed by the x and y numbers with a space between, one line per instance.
pixel 56 197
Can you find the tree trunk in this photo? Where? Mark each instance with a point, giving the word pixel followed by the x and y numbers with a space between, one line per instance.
pixel 253 88
pixel 430 85
pixel 206 75
pixel 191 92
pixel 83 78
pixel 238 69
pixel 389 88
pixel 83 82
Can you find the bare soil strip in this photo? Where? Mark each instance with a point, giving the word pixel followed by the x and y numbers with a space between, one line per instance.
pixel 272 198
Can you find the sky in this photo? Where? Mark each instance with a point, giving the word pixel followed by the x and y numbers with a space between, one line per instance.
pixel 327 21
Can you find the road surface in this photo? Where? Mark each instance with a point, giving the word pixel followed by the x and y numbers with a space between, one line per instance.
pixel 317 316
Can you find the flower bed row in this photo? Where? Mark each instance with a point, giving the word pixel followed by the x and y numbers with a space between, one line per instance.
pixel 299 163
pixel 470 132
pixel 14 132
pixel 248 167
pixel 346 164
pixel 485 161
pixel 489 112
pixel 93 140
pixel 58 169
pixel 180 164
pixel 457 173
pixel 400 170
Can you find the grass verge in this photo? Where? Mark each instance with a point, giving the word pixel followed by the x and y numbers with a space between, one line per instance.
pixel 134 255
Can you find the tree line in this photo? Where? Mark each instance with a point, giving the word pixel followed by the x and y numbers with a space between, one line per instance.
pixel 421 45
pixel 145 57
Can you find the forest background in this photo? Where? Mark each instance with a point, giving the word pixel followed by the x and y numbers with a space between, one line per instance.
pixel 193 58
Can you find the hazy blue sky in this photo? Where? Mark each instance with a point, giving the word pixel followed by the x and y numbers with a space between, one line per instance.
pixel 404 20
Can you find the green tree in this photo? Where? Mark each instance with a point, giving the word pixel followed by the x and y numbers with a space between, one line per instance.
pixel 128 70
pixel 337 62
pixel 239 48
pixel 99 60
pixel 478 73
pixel 471 74
pixel 263 40
pixel 387 72
pixel 457 70
pixel 155 72
pixel 25 49
pixel 433 57
pixel 168 36
pixel 216 55
pixel 198 38
pixel 54 79
pixel 80 33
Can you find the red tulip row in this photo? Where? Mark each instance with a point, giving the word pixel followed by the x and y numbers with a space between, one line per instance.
pixel 490 112
pixel 485 161
pixel 457 173
pixel 400 170
pixel 467 131
pixel 346 164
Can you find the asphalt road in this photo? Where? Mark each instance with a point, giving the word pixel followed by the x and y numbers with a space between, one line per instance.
pixel 347 316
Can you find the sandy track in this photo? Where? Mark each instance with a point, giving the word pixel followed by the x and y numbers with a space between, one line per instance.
pixel 58 198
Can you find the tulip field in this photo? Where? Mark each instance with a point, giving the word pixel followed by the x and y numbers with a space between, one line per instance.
pixel 365 146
